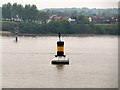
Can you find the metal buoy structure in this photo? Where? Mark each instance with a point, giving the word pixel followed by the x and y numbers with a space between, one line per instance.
pixel 16 29
pixel 60 58
pixel 16 34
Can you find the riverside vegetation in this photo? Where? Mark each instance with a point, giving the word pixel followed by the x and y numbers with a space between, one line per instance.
pixel 62 26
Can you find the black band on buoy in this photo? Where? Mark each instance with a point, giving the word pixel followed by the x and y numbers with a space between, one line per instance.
pixel 60 43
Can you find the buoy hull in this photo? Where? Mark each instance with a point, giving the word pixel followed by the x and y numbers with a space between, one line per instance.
pixel 60 60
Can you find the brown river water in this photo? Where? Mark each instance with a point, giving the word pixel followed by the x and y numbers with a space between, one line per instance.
pixel 27 63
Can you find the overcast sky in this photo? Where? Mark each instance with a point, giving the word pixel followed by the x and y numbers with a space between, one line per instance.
pixel 41 4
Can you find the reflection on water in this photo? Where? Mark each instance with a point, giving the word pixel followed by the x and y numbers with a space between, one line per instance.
pixel 60 67
pixel 93 62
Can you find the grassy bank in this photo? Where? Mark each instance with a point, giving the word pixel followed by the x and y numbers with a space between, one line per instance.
pixel 6 33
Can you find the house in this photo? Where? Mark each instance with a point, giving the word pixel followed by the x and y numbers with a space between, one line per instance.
pixel 72 19
pixel 90 19
pixel 101 19
pixel 114 20
pixel 56 17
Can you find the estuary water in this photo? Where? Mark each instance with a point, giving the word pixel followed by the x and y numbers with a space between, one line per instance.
pixel 27 63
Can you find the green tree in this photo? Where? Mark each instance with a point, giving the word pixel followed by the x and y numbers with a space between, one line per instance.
pixel 42 16
pixel 20 11
pixel 14 10
pixel 34 12
pixel 81 19
pixel 27 15
pixel 6 11
pixel 30 13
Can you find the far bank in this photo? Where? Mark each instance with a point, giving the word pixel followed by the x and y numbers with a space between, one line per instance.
pixel 62 26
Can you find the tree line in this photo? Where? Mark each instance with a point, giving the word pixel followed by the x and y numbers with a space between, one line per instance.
pixel 25 13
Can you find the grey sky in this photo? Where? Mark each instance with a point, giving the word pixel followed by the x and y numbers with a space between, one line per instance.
pixel 41 4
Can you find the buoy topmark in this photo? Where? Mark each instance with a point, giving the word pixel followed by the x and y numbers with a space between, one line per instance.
pixel 60 58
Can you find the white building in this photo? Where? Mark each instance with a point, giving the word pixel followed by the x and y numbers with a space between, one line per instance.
pixel 71 20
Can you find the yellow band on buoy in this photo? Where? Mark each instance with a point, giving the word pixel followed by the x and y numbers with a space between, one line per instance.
pixel 60 48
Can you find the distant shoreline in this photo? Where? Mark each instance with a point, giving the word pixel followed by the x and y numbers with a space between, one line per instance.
pixel 7 33
pixel 64 27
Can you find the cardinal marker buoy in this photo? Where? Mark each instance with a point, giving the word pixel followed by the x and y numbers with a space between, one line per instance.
pixel 60 58
pixel 16 34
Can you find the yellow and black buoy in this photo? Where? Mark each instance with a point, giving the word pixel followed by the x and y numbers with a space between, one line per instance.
pixel 60 58
pixel 60 48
